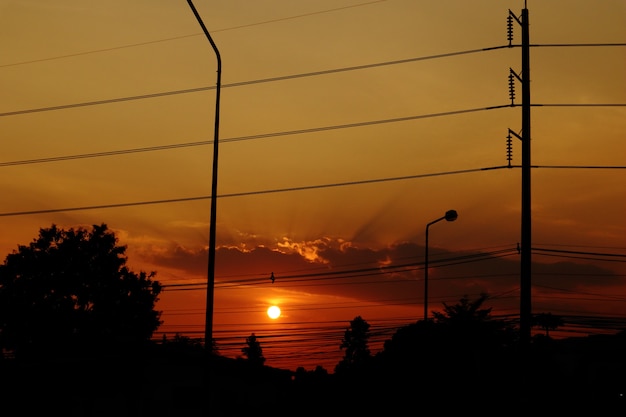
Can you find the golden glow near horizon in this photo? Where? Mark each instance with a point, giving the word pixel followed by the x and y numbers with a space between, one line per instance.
pixel 345 127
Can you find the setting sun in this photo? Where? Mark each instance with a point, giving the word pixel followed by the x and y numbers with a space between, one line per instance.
pixel 273 312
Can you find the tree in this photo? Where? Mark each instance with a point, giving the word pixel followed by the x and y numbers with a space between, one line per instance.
pixel 253 351
pixel 463 342
pixel 355 342
pixel 468 324
pixel 547 322
pixel 69 292
pixel 464 312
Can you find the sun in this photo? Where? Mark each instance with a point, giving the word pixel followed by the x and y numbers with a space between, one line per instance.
pixel 273 312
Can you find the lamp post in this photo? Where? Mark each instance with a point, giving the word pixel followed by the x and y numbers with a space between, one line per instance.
pixel 208 327
pixel 451 215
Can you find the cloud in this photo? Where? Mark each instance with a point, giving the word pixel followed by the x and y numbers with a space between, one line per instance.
pixel 394 274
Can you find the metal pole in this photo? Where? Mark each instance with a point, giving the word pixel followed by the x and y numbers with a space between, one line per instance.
pixel 426 268
pixel 426 275
pixel 451 215
pixel 208 328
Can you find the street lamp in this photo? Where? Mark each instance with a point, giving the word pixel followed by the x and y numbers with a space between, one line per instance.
pixel 208 326
pixel 451 215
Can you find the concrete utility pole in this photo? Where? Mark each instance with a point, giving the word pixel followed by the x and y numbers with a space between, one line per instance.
pixel 526 229
pixel 525 278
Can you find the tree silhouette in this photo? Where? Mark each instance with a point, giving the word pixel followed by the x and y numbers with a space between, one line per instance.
pixel 253 351
pixel 465 311
pixel 467 323
pixel 70 293
pixel 462 343
pixel 355 342
pixel 547 322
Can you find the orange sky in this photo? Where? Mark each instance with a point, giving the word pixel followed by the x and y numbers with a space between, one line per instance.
pixel 331 160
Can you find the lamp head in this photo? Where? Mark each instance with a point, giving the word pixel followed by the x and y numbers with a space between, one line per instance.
pixel 451 215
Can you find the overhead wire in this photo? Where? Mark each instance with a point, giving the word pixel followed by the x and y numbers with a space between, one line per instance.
pixel 244 83
pixel 351 273
pixel 241 194
pixel 297 280
pixel 251 137
pixel 273 191
pixel 320 342
pixel 289 77
pixel 134 45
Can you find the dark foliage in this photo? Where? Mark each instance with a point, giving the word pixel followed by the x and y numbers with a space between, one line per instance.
pixel 355 343
pixel 461 361
pixel 547 322
pixel 69 294
pixel 253 351
pixel 563 377
pixel 462 337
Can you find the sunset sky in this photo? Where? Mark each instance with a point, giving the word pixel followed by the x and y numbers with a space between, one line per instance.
pixel 345 127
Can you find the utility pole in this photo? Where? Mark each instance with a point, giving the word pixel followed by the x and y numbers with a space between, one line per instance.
pixel 526 227
pixel 525 278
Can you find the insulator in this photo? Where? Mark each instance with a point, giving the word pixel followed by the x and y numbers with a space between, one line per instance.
pixel 512 88
pixel 509 149
pixel 509 28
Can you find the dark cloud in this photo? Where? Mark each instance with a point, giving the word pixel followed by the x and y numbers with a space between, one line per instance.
pixel 395 274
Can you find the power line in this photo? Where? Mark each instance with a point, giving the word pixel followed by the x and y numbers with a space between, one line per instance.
pixel 289 279
pixel 281 78
pixel 252 137
pixel 96 51
pixel 368 66
pixel 576 45
pixel 605 296
pixel 277 134
pixel 580 105
pixel 588 258
pixel 580 166
pixel 281 190
pixel 304 343
pixel 287 133
pixel 565 245
pixel 103 154
pixel 297 280
pixel 114 48
pixel 282 19
pixel 243 83
pixel 260 192
pixel 617 255
pixel 109 101
pixel 382 329
pixel 300 272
